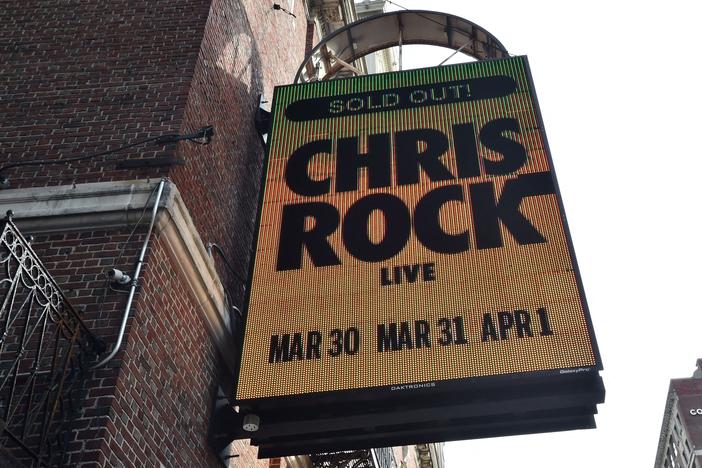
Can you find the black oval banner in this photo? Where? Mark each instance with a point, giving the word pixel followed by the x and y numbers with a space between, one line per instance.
pixel 401 98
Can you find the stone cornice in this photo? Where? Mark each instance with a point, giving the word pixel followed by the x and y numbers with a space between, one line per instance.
pixel 111 205
pixel 188 252
pixel 100 205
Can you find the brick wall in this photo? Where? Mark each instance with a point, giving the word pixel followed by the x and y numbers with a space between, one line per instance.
pixel 159 410
pixel 79 77
pixel 78 261
pixel 247 49
pixel 84 77
pixel 151 404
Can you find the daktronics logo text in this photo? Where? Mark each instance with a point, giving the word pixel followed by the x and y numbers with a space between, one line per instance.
pixel 395 388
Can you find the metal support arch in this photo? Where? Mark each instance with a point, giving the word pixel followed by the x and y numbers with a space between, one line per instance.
pixel 396 29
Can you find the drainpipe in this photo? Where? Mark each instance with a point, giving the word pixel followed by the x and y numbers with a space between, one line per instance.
pixel 135 279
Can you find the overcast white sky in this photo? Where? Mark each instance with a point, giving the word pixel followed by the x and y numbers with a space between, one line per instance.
pixel 620 89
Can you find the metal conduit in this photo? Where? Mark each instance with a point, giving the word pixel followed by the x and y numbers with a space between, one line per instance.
pixel 135 279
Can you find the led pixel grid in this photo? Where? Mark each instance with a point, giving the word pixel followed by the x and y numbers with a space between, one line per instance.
pixel 410 231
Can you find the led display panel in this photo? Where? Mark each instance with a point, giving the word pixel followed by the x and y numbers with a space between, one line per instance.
pixel 410 232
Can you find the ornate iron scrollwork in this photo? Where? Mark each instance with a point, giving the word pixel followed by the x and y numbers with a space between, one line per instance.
pixel 346 459
pixel 371 458
pixel 45 349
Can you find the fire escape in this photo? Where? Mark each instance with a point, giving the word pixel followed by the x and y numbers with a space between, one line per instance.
pixel 45 349
pixel 368 458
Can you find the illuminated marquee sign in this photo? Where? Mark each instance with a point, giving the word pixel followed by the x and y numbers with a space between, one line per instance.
pixel 410 233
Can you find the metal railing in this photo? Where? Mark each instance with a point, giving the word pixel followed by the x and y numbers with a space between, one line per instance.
pixel 345 459
pixel 367 458
pixel 45 349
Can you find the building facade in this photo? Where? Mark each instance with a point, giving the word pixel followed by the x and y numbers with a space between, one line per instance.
pixel 680 442
pixel 384 60
pixel 128 145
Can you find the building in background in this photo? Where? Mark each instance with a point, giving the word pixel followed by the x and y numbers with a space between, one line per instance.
pixel 128 145
pixel 384 60
pixel 680 442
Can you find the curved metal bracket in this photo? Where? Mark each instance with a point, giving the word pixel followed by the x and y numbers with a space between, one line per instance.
pixel 383 31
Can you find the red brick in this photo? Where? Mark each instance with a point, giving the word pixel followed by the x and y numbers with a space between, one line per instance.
pixel 82 80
